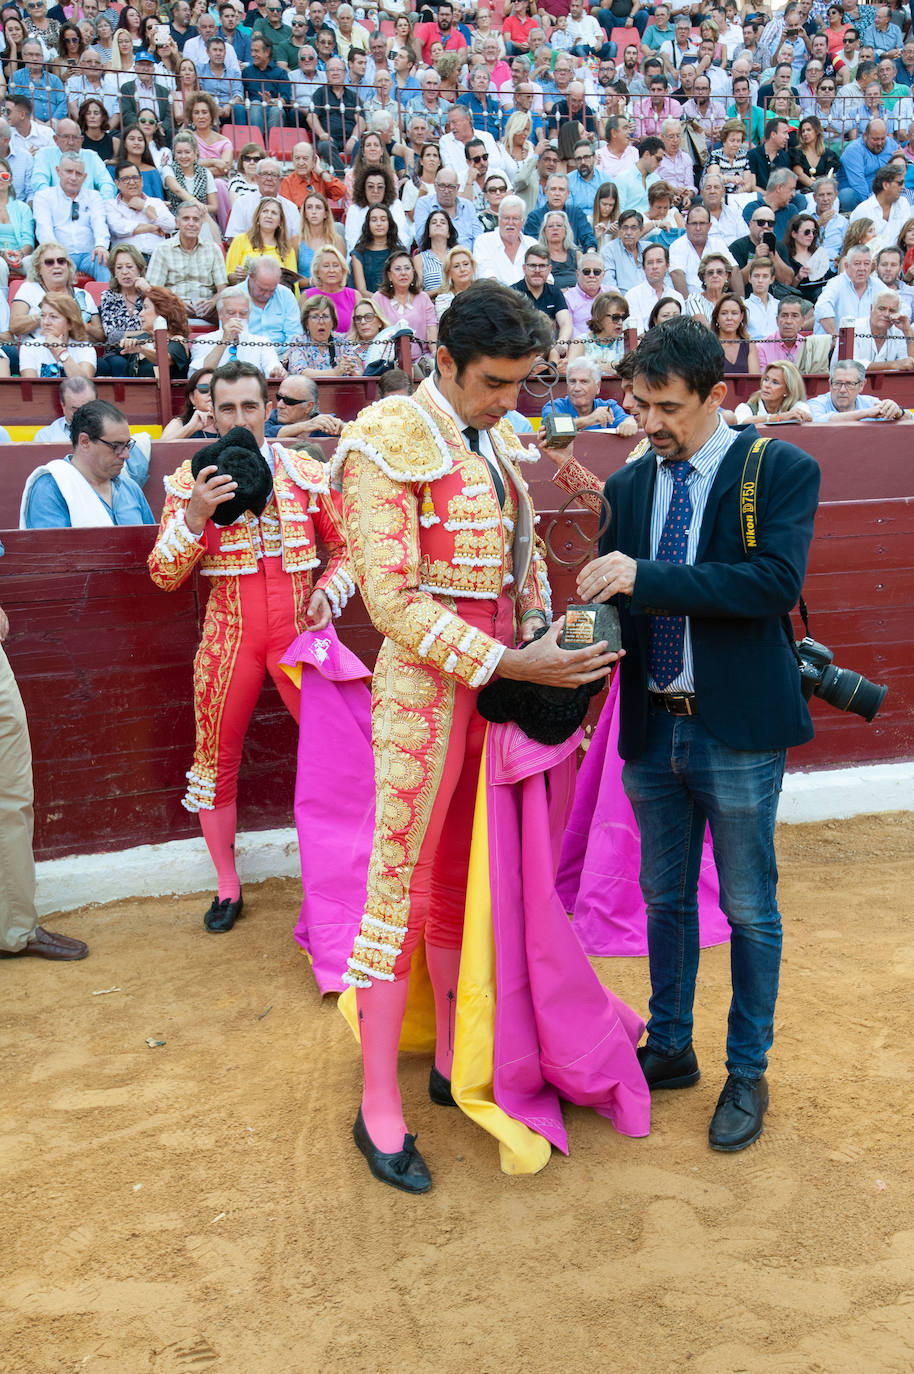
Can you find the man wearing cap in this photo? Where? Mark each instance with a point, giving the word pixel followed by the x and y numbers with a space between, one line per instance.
pixel 263 594
pixel 145 93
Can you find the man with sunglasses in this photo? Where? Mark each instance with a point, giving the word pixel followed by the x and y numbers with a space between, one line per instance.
pixel 580 297
pixel 89 487
pixel 74 216
pixel 134 217
pixel 757 245
pixel 295 414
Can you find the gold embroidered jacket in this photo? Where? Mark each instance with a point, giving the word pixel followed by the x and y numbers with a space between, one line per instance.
pixel 300 511
pixel 425 529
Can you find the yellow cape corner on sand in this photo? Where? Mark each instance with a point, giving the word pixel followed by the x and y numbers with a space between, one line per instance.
pixel 521 1150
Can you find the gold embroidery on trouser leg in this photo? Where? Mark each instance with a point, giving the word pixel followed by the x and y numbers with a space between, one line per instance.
pixel 214 664
pixel 412 708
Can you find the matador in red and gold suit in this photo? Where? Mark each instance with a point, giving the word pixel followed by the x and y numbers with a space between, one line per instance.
pixel 262 572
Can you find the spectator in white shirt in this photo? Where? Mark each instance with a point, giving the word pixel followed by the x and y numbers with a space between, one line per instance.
pixel 688 251
pixel 195 48
pixel 886 207
pixel 657 285
pixel 71 215
pixel 500 253
pixel 92 82
pixel 233 340
pixel 135 217
pixel 843 402
pixel 884 339
pixel 761 306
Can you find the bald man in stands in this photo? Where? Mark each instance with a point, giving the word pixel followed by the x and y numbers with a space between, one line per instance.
pixel 305 178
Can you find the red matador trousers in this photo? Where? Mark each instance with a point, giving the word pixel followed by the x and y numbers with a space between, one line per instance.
pixel 250 623
pixel 427 738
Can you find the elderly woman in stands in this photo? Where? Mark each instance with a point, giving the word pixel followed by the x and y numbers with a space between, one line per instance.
pixel 121 303
pixel 59 348
pixel 328 277
pixel 266 238
pixel 714 275
pixel 780 399
pixel 605 343
pixel 51 269
pixel 401 300
pixel 320 351
pixel 367 323
pixel 196 419
pixel 17 226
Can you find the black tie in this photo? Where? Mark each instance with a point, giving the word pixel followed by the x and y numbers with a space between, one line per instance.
pixel 472 437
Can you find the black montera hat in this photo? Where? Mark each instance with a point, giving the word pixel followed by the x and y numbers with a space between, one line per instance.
pixel 238 455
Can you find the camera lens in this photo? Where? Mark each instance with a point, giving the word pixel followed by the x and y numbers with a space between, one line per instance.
pixel 849 691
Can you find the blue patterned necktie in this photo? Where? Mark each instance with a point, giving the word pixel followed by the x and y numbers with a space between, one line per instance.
pixel 668 631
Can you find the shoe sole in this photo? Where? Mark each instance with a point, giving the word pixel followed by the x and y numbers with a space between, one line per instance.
pixel 734 1149
pixel 686 1080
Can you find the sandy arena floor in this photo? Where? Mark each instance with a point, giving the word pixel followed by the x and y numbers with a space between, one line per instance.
pixel 200 1206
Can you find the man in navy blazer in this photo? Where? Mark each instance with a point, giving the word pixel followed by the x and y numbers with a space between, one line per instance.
pixel 711 697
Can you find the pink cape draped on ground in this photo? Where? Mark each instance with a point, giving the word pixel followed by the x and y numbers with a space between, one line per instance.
pixel 334 799
pixel 559 1033
pixel 601 856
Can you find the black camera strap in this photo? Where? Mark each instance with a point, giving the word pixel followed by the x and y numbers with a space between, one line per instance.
pixel 748 515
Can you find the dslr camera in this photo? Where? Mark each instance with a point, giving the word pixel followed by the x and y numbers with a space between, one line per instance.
pixel 840 687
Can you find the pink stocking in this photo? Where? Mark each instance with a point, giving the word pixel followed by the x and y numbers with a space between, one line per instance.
pixel 381 1009
pixel 443 970
pixel 218 828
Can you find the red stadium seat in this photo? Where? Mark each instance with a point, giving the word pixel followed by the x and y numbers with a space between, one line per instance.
pixel 95 289
pixel 240 134
pixel 282 141
pixel 622 38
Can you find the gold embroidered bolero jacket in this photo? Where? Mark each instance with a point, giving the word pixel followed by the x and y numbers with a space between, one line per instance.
pixel 424 527
pixel 300 511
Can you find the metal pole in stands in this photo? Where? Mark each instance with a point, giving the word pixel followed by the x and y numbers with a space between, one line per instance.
pixel 405 354
pixel 846 341
pixel 163 370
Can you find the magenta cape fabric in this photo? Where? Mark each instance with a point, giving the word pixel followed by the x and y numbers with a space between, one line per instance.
pixel 601 856
pixel 334 800
pixel 559 1033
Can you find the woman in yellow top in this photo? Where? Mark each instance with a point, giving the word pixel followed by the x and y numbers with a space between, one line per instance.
pixel 266 238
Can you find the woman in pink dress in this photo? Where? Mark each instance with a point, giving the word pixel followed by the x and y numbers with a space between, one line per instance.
pixel 400 300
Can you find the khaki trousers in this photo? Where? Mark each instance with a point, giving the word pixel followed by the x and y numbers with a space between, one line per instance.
pixel 18 918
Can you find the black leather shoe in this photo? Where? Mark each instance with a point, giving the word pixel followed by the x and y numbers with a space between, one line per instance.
pixel 223 915
pixel 737 1119
pixel 662 1071
pixel 405 1169
pixel 439 1089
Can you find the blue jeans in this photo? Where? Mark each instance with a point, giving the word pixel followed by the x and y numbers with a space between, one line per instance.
pixel 685 778
pixel 96 270
pixel 262 117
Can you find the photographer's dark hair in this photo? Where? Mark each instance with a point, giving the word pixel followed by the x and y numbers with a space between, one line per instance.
pixel 682 348
pixel 493 321
pixel 89 419
pixel 234 372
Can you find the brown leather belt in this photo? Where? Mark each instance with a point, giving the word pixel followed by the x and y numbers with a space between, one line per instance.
pixel 677 704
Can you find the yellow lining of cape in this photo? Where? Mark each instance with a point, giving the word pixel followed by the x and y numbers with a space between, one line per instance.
pixel 521 1150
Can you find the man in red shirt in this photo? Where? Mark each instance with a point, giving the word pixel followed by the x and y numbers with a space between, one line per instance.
pixel 305 178
pixel 441 32
pixel 517 28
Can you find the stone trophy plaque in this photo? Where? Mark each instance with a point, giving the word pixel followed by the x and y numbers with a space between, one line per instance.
pixel 596 620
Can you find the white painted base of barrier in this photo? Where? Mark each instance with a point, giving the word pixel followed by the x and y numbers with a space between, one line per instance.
pixel 182 866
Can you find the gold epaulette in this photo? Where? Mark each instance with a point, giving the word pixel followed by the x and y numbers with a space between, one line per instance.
pixel 399 437
pixel 640 449
pixel 181 482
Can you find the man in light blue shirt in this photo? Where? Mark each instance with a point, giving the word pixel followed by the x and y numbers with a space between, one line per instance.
pixel 843 403
pixel 78 391
pixel 860 162
pixel 88 488
pixel 71 215
pixel 884 36
pixel 632 184
pixel 68 139
pixel 274 313
pixel 848 295
pixel 585 179
pixel 46 91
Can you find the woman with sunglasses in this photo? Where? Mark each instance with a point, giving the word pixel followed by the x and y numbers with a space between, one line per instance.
pixel 714 275
pixel 367 323
pixel 801 244
pixel 51 269
pixel 372 153
pixel 243 181
pixel 604 342
pixel 70 48
pixel 17 227
pixel 196 419
pixel 157 141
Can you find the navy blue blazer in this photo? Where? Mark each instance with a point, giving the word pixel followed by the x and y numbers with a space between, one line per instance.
pixel 747 684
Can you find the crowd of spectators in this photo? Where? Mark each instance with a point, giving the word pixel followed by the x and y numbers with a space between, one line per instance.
pixel 298 184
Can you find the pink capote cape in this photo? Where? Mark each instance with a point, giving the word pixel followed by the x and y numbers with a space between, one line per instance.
pixel 334 798
pixel 559 1033
pixel 601 856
